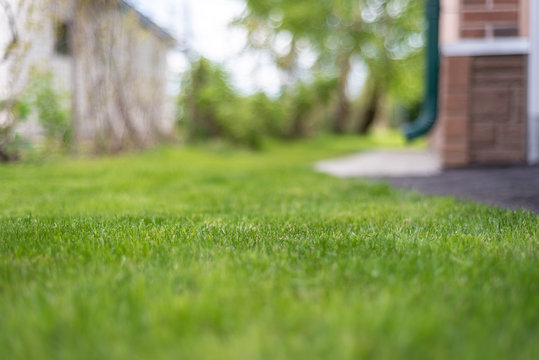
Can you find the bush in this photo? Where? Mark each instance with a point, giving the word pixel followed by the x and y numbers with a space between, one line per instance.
pixel 52 113
pixel 270 114
pixel 308 106
pixel 209 107
pixel 11 144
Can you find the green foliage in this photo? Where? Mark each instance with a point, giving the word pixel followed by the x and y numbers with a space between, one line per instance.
pixel 11 144
pixel 270 114
pixel 49 105
pixel 200 254
pixel 209 107
pixel 385 35
pixel 53 114
pixel 21 109
pixel 307 106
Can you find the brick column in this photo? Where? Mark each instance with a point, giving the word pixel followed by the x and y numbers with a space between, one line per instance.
pixel 482 117
pixel 497 112
pixel 483 110
pixel 453 128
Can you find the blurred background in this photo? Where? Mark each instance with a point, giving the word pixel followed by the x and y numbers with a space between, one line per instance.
pixel 104 76
pixel 111 75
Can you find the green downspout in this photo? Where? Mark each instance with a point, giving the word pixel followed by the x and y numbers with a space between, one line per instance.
pixel 426 120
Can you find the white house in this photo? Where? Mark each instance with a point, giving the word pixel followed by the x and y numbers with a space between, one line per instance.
pixel 108 55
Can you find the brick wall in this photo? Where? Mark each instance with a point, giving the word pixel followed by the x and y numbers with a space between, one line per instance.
pixel 482 118
pixel 498 115
pixel 491 18
pixel 451 134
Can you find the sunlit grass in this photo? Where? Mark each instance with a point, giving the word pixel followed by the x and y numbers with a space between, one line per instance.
pixel 223 253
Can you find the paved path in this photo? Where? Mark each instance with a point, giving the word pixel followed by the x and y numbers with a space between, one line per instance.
pixel 383 163
pixel 507 187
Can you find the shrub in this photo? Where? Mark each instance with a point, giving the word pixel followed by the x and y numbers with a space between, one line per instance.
pixel 308 105
pixel 11 144
pixel 53 114
pixel 209 107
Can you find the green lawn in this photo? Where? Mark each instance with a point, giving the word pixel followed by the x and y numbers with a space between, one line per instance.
pixel 216 253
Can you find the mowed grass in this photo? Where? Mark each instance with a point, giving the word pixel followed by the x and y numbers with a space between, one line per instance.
pixel 216 253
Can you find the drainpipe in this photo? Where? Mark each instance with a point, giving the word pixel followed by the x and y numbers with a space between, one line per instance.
pixel 426 120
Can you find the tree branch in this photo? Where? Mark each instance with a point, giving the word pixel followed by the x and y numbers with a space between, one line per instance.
pixel 10 14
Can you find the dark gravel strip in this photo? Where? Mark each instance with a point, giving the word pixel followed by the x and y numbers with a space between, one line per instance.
pixel 507 187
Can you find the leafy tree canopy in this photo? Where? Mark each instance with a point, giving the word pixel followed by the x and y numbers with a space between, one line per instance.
pixel 385 34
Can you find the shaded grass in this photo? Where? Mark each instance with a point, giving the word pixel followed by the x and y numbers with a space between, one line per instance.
pixel 223 253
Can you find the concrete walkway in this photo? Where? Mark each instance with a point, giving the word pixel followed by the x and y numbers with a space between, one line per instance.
pixel 384 163
pixel 506 187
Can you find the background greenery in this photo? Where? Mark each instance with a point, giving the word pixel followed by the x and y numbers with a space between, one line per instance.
pixel 51 109
pixel 382 39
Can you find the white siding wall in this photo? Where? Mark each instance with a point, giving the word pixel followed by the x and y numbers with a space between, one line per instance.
pixel 121 79
pixel 137 59
pixel 34 51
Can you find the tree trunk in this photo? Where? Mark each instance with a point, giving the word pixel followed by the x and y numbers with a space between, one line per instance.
pixel 298 128
pixel 342 114
pixel 370 112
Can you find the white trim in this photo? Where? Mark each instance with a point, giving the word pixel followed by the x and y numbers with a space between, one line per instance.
pixel 533 87
pixel 485 47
